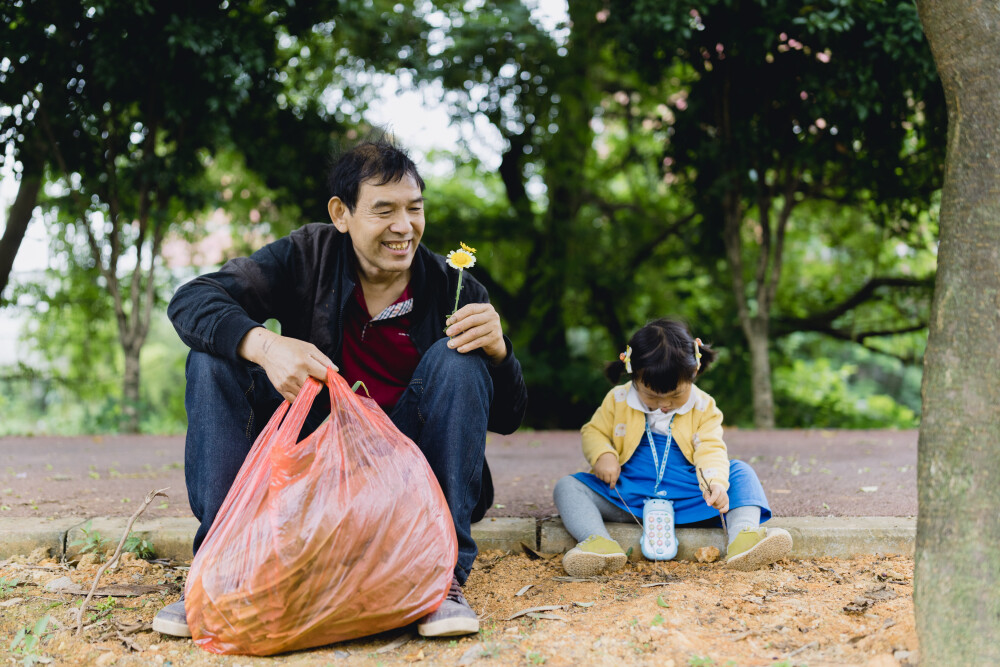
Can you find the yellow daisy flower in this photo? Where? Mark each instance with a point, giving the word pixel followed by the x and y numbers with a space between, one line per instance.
pixel 460 259
pixel 471 251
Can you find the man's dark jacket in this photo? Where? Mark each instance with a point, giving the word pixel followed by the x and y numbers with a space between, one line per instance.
pixel 304 281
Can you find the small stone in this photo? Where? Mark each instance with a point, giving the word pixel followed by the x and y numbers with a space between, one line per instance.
pixel 38 555
pixel 88 562
pixel 105 659
pixel 59 584
pixel 707 554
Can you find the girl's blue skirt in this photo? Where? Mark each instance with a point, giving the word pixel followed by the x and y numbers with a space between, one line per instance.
pixel 679 484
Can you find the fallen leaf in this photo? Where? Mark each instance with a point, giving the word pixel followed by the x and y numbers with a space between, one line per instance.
pixel 534 554
pixel 584 604
pixel 414 657
pixel 534 610
pixel 66 585
pixel 11 602
pixel 546 617
pixel 661 602
pixel 395 643
pixel 781 490
pixel 882 592
pixel 860 605
pixel 869 489
pixel 573 580
pixel 523 590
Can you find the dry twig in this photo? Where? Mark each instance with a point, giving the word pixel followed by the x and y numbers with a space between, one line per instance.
pixel 114 559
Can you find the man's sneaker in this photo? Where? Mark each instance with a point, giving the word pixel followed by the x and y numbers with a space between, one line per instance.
pixel 454 616
pixel 754 548
pixel 594 555
pixel 171 620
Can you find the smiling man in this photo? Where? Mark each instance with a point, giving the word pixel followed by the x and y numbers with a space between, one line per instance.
pixel 361 295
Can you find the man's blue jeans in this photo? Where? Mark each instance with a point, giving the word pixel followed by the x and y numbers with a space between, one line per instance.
pixel 444 410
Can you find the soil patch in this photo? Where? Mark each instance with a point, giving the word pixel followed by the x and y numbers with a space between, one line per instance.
pixel 809 612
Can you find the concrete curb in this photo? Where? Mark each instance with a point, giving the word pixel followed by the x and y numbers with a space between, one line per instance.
pixel 813 537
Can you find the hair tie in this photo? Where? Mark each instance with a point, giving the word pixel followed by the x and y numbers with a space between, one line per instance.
pixel 626 356
pixel 697 354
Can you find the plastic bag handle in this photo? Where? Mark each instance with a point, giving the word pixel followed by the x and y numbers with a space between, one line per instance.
pixel 299 411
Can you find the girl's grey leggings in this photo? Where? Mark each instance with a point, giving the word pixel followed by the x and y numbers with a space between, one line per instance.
pixel 584 511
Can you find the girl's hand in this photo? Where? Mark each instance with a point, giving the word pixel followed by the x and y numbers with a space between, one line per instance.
pixel 607 468
pixel 717 497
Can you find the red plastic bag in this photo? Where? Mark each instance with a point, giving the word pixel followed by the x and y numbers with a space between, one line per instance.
pixel 342 535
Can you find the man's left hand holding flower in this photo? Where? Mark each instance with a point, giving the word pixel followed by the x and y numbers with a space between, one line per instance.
pixel 477 326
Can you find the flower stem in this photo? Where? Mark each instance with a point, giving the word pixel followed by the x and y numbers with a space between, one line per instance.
pixel 457 292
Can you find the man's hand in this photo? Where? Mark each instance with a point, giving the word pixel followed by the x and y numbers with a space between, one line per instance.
pixel 717 497
pixel 607 469
pixel 475 326
pixel 287 361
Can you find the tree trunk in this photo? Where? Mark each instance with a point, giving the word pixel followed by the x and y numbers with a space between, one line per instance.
pixel 957 570
pixel 544 290
pixel 760 374
pixel 19 216
pixel 130 390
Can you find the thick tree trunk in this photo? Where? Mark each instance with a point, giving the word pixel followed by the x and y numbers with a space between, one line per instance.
pixel 760 375
pixel 957 572
pixel 19 216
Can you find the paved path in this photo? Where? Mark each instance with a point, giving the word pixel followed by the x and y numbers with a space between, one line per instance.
pixel 804 472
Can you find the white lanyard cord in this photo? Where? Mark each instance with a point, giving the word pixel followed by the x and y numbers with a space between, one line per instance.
pixel 657 465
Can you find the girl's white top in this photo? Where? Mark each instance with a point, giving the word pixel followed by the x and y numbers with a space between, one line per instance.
pixel 658 421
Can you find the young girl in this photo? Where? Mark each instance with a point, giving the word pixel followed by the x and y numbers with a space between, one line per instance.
pixel 660 436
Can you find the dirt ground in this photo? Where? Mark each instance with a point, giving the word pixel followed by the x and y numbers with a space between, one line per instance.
pixel 811 612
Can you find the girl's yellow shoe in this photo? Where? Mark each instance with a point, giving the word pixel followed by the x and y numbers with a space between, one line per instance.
pixel 754 548
pixel 595 555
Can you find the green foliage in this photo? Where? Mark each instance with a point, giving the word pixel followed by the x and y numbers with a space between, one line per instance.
pixel 74 384
pixel 125 125
pixel 28 640
pixel 141 547
pixel 8 584
pixel 603 212
pixel 91 541
pixel 815 393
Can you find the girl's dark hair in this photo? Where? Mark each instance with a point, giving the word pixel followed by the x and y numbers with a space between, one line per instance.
pixel 377 159
pixel 663 356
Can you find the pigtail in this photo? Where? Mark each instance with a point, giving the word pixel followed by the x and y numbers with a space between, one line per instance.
pixel 708 355
pixel 614 370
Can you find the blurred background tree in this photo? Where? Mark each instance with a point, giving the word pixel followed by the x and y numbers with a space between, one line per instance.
pixel 124 103
pixel 652 159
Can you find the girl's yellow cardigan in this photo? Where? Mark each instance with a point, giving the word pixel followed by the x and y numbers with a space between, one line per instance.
pixel 618 429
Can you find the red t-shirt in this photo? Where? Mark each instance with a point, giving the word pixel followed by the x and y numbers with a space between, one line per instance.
pixel 378 350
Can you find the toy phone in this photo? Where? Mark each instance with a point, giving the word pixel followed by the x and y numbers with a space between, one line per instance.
pixel 659 541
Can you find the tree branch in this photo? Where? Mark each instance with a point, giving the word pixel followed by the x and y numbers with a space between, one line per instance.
pixel 791 185
pixel 647 248
pixel 824 320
